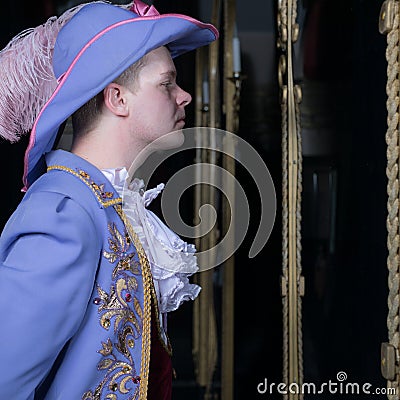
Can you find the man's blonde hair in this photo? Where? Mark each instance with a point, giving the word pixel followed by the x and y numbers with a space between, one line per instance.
pixel 86 117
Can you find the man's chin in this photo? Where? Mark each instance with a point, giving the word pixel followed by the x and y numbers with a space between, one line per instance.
pixel 180 124
pixel 169 141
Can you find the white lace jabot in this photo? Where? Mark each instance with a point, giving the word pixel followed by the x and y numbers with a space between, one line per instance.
pixel 171 259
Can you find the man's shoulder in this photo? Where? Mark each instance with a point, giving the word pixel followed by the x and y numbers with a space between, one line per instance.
pixel 71 175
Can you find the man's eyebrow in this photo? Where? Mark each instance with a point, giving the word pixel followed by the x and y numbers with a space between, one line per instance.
pixel 170 74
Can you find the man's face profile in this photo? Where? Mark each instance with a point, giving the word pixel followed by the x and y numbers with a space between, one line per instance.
pixel 158 103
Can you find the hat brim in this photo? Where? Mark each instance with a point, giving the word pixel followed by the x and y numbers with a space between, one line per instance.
pixel 99 62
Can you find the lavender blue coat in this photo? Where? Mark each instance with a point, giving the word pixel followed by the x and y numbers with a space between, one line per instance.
pixel 74 292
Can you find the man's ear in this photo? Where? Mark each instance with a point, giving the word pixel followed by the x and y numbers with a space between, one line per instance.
pixel 115 99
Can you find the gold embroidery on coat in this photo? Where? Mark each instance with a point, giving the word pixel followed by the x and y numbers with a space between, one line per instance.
pixel 125 319
pixel 119 245
pixel 98 190
pixel 146 267
pixel 118 375
pixel 148 287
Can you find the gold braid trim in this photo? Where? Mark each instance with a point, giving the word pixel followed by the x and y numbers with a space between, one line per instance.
pixel 96 189
pixel 167 346
pixel 147 292
pixel 150 298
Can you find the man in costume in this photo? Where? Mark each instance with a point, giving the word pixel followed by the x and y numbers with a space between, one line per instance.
pixel 86 277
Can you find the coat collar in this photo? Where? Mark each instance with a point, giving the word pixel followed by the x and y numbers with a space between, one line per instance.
pixel 90 175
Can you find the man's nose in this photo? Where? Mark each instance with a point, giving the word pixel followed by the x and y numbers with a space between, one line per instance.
pixel 183 98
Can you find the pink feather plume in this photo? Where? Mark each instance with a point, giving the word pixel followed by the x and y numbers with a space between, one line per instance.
pixel 27 79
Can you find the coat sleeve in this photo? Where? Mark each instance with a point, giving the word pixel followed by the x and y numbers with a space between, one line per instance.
pixel 49 252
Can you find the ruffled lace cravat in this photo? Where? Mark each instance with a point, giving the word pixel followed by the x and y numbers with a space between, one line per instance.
pixel 172 260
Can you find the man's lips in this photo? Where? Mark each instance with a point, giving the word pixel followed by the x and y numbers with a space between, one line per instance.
pixel 181 120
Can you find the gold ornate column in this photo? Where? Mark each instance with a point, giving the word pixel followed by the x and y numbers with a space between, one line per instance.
pixel 292 283
pixel 205 350
pixel 228 288
pixel 389 25
pixel 209 113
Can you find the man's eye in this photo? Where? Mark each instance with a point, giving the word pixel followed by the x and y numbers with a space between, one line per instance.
pixel 167 84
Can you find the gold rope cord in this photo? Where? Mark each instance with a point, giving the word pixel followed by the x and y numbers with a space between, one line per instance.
pixel 299 277
pixel 285 235
pixel 147 291
pixel 389 24
pixel 297 96
pixel 292 283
